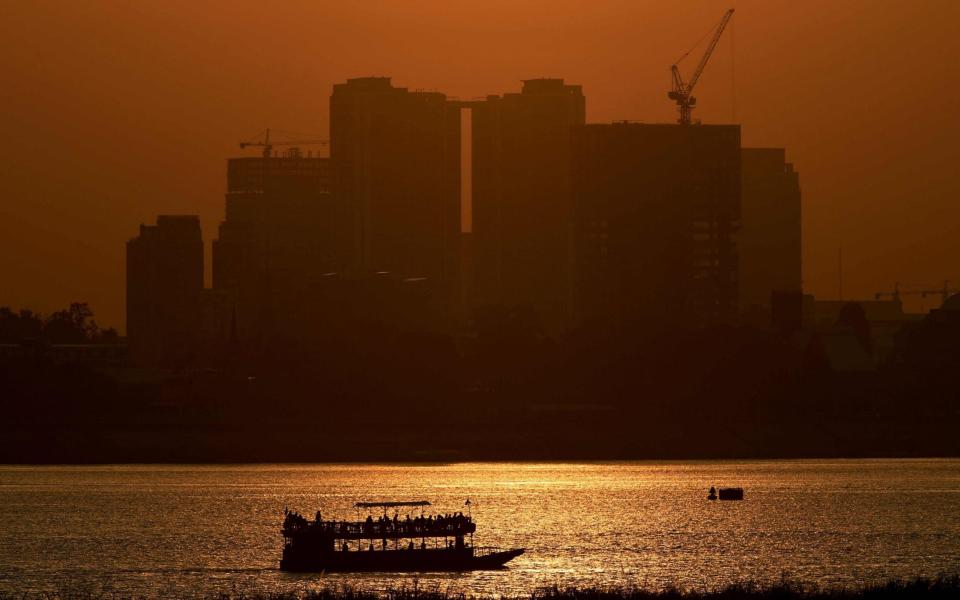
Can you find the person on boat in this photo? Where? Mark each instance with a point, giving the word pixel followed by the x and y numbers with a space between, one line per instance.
pixel 319 518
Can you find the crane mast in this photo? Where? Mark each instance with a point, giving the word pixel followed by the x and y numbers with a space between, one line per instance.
pixel 682 92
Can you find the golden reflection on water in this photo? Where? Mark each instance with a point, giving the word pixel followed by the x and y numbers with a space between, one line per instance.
pixel 149 530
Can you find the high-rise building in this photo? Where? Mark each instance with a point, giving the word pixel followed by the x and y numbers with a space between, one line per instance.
pixel 522 206
pixel 769 237
pixel 657 207
pixel 164 284
pixel 277 239
pixel 395 156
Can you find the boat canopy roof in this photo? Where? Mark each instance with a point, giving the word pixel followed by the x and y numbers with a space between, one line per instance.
pixel 390 504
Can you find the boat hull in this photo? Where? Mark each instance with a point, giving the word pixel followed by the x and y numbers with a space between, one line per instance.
pixel 400 561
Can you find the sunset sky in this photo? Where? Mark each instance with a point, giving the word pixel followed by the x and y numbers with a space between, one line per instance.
pixel 114 112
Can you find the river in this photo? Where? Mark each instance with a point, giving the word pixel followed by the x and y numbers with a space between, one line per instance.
pixel 183 530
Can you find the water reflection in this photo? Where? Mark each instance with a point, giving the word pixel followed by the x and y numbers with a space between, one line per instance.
pixel 176 530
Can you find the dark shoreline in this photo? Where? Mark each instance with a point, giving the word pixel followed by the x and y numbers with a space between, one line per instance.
pixel 438 461
pixel 318 442
pixel 920 587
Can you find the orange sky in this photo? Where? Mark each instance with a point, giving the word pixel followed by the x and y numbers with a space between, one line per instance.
pixel 116 111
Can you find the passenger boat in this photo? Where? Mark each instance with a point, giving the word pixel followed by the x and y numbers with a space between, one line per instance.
pixel 419 544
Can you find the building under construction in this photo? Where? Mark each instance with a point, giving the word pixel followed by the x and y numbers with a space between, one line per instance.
pixel 278 237
pixel 656 211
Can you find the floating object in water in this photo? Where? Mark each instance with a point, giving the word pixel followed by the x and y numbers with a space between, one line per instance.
pixel 731 493
pixel 725 494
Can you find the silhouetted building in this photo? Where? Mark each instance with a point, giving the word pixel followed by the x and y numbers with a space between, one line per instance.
pixel 947 314
pixel 217 320
pixel 396 164
pixel 885 318
pixel 278 236
pixel 786 311
pixel 368 309
pixel 769 238
pixel 164 283
pixel 657 207
pixel 522 205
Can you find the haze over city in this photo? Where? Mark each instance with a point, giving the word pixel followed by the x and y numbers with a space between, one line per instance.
pixel 118 112
pixel 618 300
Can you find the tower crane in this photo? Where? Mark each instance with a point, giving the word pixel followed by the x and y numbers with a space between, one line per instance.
pixel 682 92
pixel 945 292
pixel 263 140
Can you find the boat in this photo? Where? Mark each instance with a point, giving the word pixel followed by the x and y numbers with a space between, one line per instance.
pixel 408 544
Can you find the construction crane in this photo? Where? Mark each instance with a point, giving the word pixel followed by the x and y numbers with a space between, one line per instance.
pixel 263 140
pixel 945 292
pixel 682 92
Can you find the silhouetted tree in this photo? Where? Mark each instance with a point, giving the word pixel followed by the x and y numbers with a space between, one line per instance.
pixel 72 325
pixel 16 327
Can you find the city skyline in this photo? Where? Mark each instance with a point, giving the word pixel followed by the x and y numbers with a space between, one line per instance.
pixel 142 152
pixel 580 226
pixel 424 300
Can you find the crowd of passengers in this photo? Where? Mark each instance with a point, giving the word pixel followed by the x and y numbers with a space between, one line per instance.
pixel 383 525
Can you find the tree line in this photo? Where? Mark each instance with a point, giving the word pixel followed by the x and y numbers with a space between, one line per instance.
pixel 72 325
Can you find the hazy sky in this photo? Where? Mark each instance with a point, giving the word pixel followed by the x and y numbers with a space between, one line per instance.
pixel 114 112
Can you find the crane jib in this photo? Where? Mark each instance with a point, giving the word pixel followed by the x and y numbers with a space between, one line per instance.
pixel 682 92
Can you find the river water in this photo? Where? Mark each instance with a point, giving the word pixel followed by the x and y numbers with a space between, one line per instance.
pixel 199 530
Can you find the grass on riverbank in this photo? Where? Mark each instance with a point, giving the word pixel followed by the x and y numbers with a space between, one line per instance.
pixel 938 588
pixel 942 587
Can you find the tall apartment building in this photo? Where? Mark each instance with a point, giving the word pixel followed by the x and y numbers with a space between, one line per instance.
pixel 277 239
pixel 769 239
pixel 395 156
pixel 522 202
pixel 657 207
pixel 164 285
